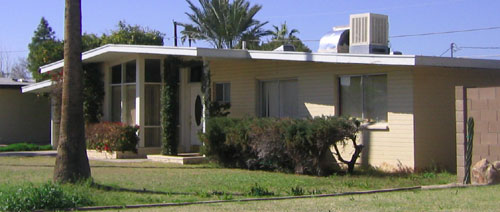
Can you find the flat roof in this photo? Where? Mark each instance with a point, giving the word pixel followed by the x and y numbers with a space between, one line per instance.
pixel 14 82
pixel 39 87
pixel 111 51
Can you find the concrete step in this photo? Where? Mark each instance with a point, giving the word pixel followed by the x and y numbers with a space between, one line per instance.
pixel 184 158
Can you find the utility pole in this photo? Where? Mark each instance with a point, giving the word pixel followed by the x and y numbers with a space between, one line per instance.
pixel 452 45
pixel 175 33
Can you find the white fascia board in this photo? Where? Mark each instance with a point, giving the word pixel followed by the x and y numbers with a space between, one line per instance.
pixel 38 87
pixel 457 62
pixel 407 60
pixel 117 48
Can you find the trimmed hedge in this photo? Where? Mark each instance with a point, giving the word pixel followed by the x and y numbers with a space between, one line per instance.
pixel 111 136
pixel 24 147
pixel 286 145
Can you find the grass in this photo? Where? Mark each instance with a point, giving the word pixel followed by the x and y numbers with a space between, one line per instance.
pixel 24 147
pixel 457 199
pixel 176 183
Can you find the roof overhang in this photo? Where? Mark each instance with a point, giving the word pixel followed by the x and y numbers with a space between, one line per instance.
pixel 114 51
pixel 39 87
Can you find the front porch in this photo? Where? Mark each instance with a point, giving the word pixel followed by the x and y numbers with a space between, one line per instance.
pixel 132 87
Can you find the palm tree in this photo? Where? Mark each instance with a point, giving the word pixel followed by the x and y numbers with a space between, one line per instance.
pixel 281 33
pixel 72 164
pixel 223 23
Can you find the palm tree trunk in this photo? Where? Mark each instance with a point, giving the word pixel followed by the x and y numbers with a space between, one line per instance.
pixel 72 164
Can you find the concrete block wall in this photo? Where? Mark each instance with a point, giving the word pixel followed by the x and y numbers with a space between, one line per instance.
pixel 483 105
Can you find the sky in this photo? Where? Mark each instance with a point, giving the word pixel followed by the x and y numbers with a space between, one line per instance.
pixel 313 18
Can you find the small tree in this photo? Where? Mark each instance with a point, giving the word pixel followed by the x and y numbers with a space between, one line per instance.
pixel 357 150
pixel 128 34
pixel 43 49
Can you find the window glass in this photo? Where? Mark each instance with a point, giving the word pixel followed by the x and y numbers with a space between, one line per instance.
pixel 223 92
pixel 375 98
pixel 219 92
pixel 152 137
pixel 130 71
pixel 116 98
pixel 152 105
pixel 195 74
pixel 153 69
pixel 288 98
pixel 130 105
pixel 279 98
pixel 116 74
pixel 351 102
pixel 227 92
pixel 364 97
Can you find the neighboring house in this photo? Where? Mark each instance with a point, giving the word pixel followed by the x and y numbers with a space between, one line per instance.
pixel 23 117
pixel 406 101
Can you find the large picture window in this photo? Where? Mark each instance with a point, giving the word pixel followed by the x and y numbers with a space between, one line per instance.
pixel 279 98
pixel 364 97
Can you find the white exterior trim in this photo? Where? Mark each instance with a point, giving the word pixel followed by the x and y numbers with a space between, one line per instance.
pixel 378 59
pixel 35 87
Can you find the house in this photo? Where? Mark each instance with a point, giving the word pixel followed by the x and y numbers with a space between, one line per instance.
pixel 406 101
pixel 23 117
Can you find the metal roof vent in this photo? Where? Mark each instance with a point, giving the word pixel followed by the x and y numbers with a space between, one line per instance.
pixel 369 34
pixel 285 48
pixel 335 41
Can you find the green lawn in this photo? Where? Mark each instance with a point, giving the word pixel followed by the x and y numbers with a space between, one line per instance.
pixel 176 183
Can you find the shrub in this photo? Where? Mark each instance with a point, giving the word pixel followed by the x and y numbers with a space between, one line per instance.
pixel 258 190
pixel 228 152
pixel 24 147
pixel 47 196
pixel 109 136
pixel 286 145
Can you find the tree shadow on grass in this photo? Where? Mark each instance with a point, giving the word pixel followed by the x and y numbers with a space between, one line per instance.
pixel 145 191
pixel 140 191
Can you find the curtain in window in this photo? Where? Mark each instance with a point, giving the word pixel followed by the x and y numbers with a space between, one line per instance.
pixel 351 93
pixel 152 105
pixel 130 105
pixel 375 98
pixel 116 108
pixel 288 98
pixel 279 98
pixel 364 97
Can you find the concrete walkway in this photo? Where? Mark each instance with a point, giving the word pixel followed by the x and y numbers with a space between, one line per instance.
pixel 51 153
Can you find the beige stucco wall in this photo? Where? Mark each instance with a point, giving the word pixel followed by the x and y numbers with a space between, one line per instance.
pixel 23 117
pixel 318 95
pixel 434 108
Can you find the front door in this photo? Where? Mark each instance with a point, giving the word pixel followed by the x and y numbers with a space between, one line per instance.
pixel 196 112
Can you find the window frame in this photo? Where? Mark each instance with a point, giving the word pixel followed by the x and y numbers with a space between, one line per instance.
pixel 123 89
pixel 365 121
pixel 261 88
pixel 224 100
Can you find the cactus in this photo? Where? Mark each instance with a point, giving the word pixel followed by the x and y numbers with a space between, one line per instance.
pixel 468 149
